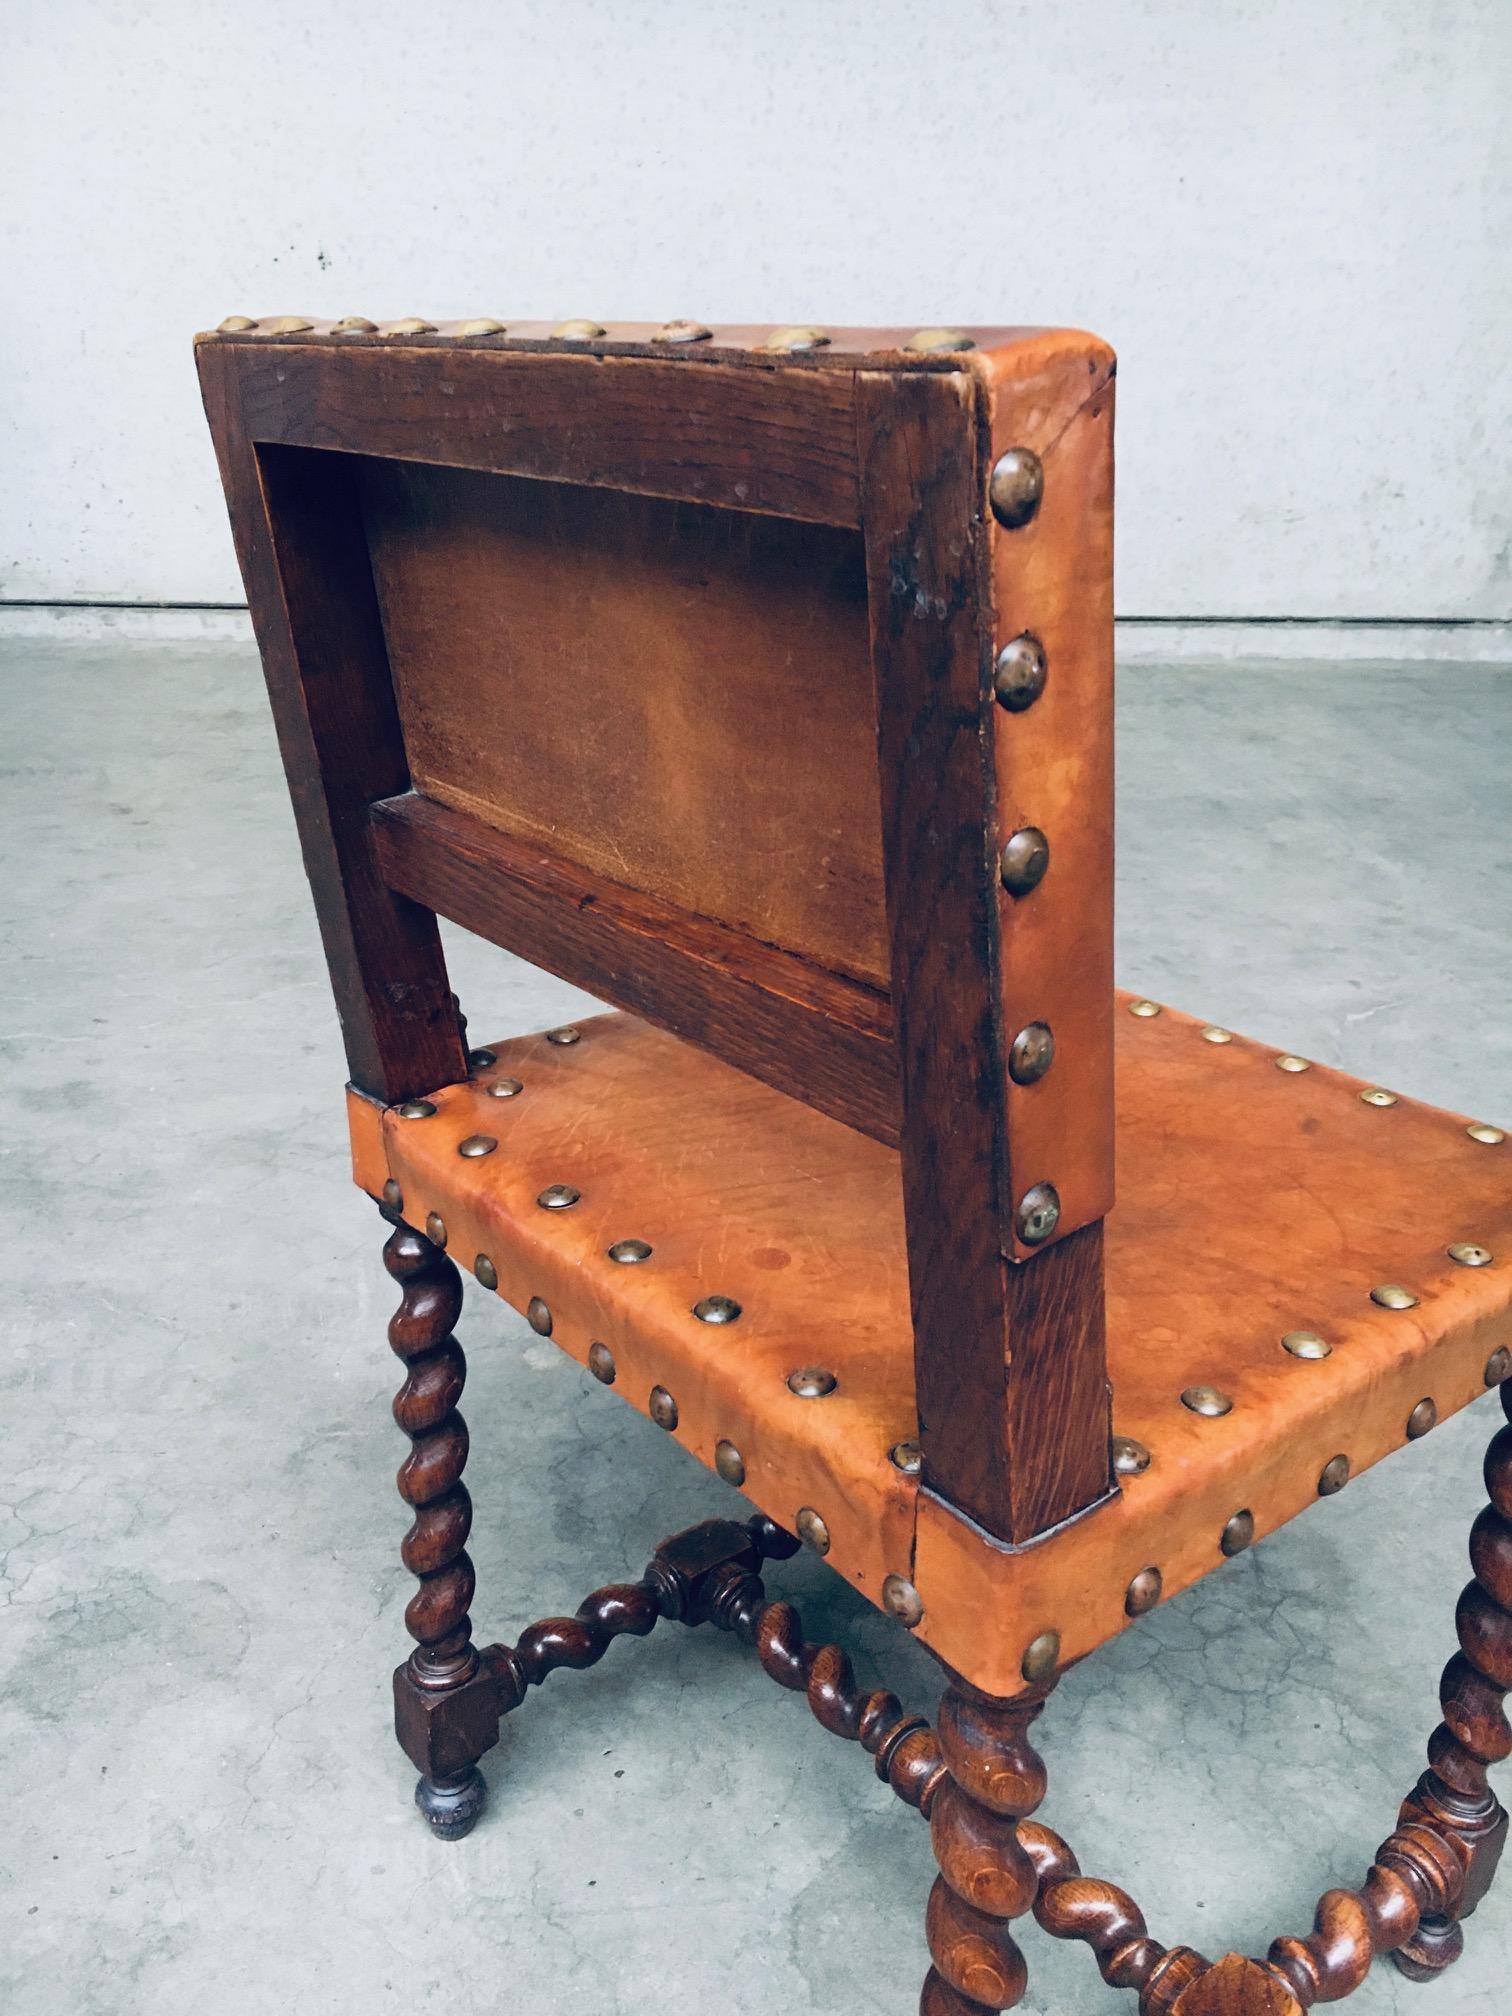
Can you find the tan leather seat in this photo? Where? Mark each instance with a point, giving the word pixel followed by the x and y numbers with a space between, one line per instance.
pixel 1255 1202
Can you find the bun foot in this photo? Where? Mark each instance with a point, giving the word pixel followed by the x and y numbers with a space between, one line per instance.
pixel 452 1805
pixel 1437 1944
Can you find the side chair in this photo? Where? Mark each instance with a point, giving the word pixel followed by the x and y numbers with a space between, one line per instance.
pixel 759 682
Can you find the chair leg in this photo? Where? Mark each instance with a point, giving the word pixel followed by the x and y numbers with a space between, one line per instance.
pixel 445 1704
pixel 986 1878
pixel 1453 1797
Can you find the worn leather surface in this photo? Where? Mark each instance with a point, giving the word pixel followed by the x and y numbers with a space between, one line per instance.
pixel 1252 1202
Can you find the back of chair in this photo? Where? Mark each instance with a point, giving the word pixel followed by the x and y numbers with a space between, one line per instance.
pixel 763 691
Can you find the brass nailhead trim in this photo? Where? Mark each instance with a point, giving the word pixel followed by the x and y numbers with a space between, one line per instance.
pixel 435 1229
pixel 682 332
pixel 236 325
pixel 476 1146
pixel 558 1197
pixel 716 1309
pixel 629 1252
pixel 486 1271
pixel 927 342
pixel 1306 1344
pixel 812 1382
pixel 900 1599
pixel 1015 487
pixel 796 336
pixel 416 1109
pixel 287 325
pixel 504 1088
pixel 576 330
pixel 356 325
pixel 1390 1296
pixel 1143 1592
pixel 410 325
pixel 1038 1213
pixel 538 1316
pixel 1422 1418
pixel 1145 1010
pixel 1213 1034
pixel 1287 1062
pixel 1130 1458
pixel 1019 674
pixel 1377 1095
pixel 479 1060
pixel 812 1530
pixel 1466 1254
pixel 907 1457
pixel 480 325
pixel 730 1464
pixel 1025 860
pixel 1208 1400
pixel 1482 1131
pixel 663 1408
pixel 1498 1365
pixel 1032 1053
pixel 562 1037
pixel 1335 1475
pixel 601 1364
pixel 1238 1534
pixel 1041 1656
pixel 393 1196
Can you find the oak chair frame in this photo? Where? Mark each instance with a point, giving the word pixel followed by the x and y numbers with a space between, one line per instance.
pixel 905 448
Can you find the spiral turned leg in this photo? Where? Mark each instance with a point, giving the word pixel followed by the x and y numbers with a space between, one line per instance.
pixel 986 1878
pixel 1453 1797
pixel 446 1712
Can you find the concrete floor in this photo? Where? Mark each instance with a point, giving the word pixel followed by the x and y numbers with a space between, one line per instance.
pixel 203 1805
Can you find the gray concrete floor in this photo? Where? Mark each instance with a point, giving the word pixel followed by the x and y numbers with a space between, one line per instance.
pixel 203 1805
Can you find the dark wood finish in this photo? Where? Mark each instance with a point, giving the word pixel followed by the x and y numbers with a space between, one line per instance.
pixel 1069 1905
pixel 310 587
pixel 616 679
pixel 996 1778
pixel 810 1033
pixel 751 440
pixel 1011 1375
pixel 444 1664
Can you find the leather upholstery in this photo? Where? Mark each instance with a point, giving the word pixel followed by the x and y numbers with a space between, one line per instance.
pixel 1252 1202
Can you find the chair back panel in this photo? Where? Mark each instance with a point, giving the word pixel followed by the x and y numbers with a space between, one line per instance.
pixel 672 697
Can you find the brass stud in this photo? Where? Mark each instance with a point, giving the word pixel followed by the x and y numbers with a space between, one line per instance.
pixel 485 1270
pixel 1145 1010
pixel 1042 1656
pixel 907 1457
pixel 1377 1095
pixel 601 1364
pixel 1238 1534
pixel 237 325
pixel 716 1309
pixel 1025 859
pixel 663 1408
pixel 435 1229
pixel 1491 1137
pixel 558 1197
pixel 1038 1213
pixel 1422 1418
pixel 1464 1254
pixel 1306 1344
pixel 682 332
pixel 1498 1365
pixel 629 1252
pixel 1144 1592
pixel 504 1088
pixel 1018 677
pixel 1287 1062
pixel 900 1599
pixel 812 1382
pixel 1334 1476
pixel 479 1060
pixel 1015 487
pixel 812 1530
pixel 1032 1054
pixel 393 1196
pixel 1207 1400
pixel 563 1037
pixel 356 325
pixel 927 342
pixel 476 1146
pixel 416 1109
pixel 1130 1458
pixel 479 325
pixel 287 325
pixel 576 330
pixel 411 325
pixel 796 336
pixel 729 1463
pixel 1390 1296
pixel 538 1316
pixel 1213 1034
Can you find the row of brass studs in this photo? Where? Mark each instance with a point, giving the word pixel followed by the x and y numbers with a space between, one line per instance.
pixel 1014 491
pixel 1371 1095
pixel 1214 1403
pixel 791 338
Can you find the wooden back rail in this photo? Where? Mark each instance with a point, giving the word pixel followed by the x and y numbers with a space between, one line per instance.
pixel 716 684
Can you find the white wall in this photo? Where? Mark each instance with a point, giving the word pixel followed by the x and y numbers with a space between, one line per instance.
pixel 1291 219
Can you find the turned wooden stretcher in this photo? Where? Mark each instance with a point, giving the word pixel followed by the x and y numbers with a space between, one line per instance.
pixel 760 682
